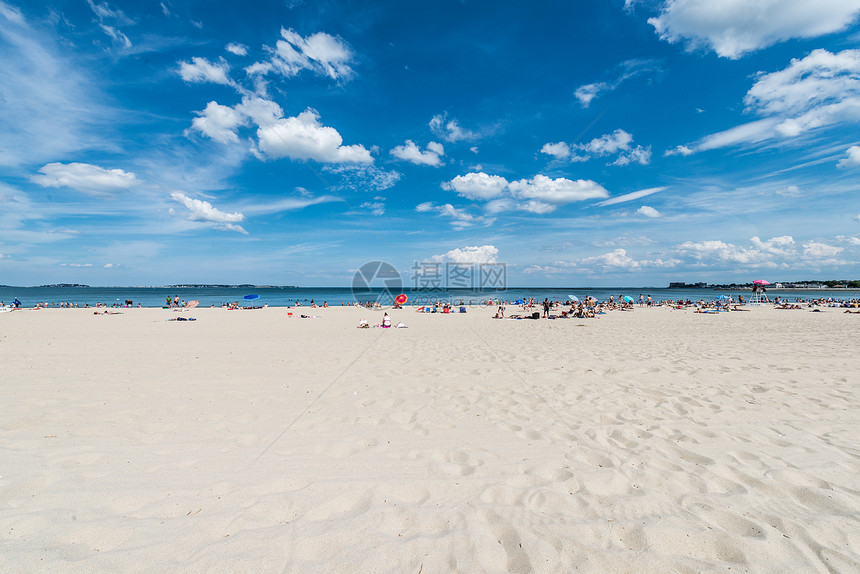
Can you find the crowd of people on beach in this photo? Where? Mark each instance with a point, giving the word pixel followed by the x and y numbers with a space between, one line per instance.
pixel 528 308
pixel 590 307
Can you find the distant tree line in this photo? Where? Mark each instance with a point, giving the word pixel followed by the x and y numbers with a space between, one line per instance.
pixel 850 283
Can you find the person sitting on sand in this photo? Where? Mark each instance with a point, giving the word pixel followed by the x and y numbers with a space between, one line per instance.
pixel 386 321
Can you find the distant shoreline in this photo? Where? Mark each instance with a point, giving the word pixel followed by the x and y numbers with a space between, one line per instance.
pixel 451 289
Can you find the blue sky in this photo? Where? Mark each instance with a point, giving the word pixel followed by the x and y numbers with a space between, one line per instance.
pixel 580 143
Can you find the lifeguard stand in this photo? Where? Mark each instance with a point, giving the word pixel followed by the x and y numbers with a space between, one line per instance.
pixel 757 299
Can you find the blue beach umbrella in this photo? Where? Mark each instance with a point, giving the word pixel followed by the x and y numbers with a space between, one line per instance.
pixel 251 297
pixel 723 297
pixel 573 298
pixel 628 298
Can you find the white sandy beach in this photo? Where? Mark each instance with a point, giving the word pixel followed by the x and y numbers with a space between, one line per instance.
pixel 657 440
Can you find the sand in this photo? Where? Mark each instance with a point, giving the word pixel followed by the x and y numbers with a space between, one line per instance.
pixel 656 440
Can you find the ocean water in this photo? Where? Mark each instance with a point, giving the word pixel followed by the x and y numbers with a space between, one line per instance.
pixel 289 296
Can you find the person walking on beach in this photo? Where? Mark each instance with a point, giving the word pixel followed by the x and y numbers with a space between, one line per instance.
pixel 545 308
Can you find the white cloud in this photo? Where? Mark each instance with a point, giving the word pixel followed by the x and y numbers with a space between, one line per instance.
pixel 720 251
pixel 639 154
pixel 260 110
pixel 557 191
pixel 849 240
pixel 85 177
pixel 470 254
pixel 626 240
pixel 619 260
pixel 733 28
pixel 608 144
pixel 199 210
pixel 539 194
pixel 817 91
pixel 287 204
pixel 852 159
pixel 749 133
pixel 821 78
pixel 117 36
pixel 201 70
pixel 624 71
pixel 631 196
pixel 618 142
pixel 588 92
pixel 790 191
pixel 536 206
pixel 555 267
pixel 412 153
pixel 480 186
pixel 219 122
pixel 237 49
pixel 460 218
pixel 758 254
pixel 376 207
pixel 450 130
pixel 681 150
pixel 775 245
pixel 105 12
pixel 558 150
pixel 814 250
pixel 51 107
pixel 321 53
pixel 361 177
pixel 303 137
pixel 648 212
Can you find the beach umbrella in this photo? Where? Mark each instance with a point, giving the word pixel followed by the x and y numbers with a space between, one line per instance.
pixel 192 304
pixel 518 302
pixel 573 298
pixel 401 299
pixel 723 297
pixel 251 297
pixel 628 298
pixel 761 282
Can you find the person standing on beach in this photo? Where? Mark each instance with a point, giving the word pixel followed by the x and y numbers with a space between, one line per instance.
pixel 545 308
